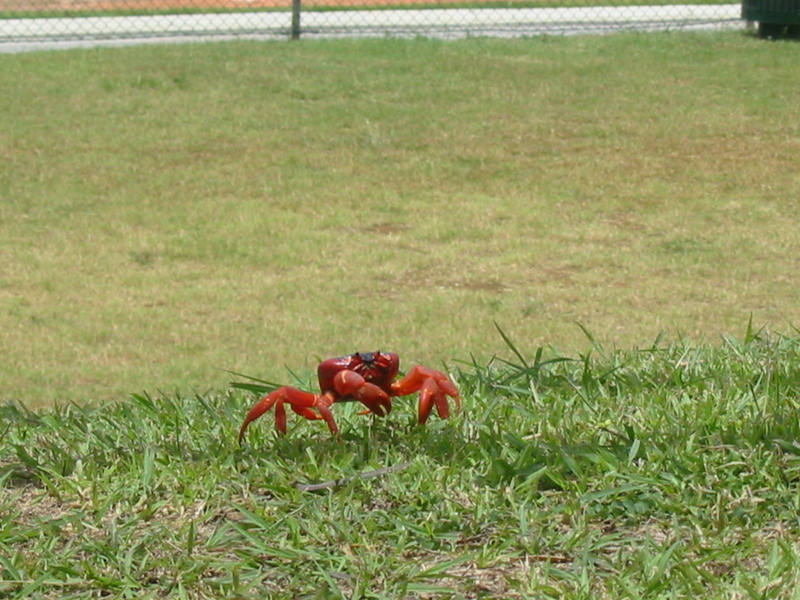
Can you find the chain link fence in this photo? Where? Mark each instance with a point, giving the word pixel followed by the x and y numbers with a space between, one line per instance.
pixel 52 20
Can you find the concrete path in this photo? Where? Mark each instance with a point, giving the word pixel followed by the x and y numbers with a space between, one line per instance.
pixel 18 35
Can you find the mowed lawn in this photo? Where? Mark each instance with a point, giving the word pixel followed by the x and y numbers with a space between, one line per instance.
pixel 172 212
pixel 595 237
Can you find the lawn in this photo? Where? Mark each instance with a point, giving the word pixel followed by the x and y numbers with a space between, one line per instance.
pixel 595 237
pixel 170 213
pixel 667 472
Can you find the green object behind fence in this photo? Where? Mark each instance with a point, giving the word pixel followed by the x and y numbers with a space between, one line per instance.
pixel 775 18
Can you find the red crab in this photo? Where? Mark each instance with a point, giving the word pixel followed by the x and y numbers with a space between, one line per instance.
pixel 366 377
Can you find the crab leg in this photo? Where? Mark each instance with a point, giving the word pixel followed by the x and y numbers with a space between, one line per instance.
pixel 302 403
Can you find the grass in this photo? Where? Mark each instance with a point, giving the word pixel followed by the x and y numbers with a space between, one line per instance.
pixel 169 213
pixel 667 472
pixel 173 212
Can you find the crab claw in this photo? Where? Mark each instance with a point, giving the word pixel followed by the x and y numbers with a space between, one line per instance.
pixel 351 384
pixel 303 403
pixel 433 386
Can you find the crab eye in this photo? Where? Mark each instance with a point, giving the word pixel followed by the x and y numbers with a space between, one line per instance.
pixel 368 357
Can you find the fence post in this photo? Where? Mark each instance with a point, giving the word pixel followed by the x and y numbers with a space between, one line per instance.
pixel 295 19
